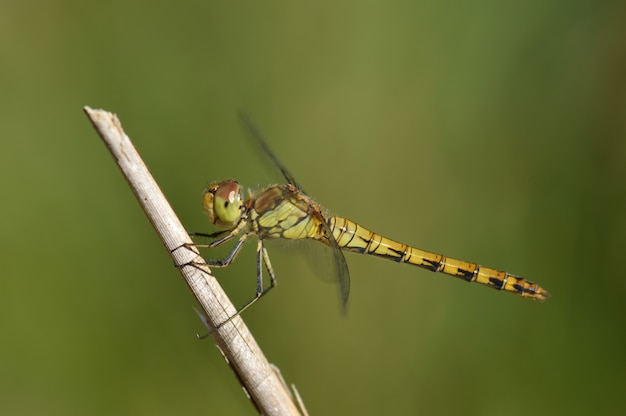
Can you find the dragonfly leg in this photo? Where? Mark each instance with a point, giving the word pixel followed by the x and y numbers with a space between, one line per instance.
pixel 226 261
pixel 222 236
pixel 270 269
pixel 262 259
pixel 215 235
pixel 231 256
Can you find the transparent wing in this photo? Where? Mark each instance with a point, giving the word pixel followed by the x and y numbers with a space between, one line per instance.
pixel 258 137
pixel 339 265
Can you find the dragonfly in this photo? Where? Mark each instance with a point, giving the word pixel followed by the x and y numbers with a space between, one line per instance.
pixel 285 211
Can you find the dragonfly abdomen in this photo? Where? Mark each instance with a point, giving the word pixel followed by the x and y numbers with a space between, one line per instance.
pixel 353 237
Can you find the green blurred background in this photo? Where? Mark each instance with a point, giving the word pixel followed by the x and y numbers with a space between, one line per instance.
pixel 489 131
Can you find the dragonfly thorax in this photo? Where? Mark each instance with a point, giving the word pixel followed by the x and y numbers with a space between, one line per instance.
pixel 223 203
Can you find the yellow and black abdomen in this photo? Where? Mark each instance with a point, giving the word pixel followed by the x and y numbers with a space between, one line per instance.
pixel 353 237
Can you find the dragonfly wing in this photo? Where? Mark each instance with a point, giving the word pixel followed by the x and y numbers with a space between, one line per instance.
pixel 339 267
pixel 258 137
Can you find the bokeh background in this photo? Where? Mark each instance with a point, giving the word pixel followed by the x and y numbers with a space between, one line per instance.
pixel 489 131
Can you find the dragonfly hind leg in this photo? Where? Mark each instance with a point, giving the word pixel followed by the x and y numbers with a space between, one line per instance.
pixel 262 259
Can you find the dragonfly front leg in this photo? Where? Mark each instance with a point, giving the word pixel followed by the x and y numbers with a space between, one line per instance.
pixel 218 236
pixel 222 236
pixel 231 256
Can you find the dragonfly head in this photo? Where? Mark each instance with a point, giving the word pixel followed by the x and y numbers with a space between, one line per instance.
pixel 223 203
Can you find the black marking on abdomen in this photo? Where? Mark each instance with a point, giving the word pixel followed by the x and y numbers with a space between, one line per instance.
pixel 496 283
pixel 521 289
pixel 371 249
pixel 433 266
pixel 466 274
pixel 399 254
pixel 354 234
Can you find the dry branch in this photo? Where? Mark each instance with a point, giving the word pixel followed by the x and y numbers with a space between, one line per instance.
pixel 258 377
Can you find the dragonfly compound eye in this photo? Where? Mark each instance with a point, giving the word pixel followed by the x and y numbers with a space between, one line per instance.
pixel 222 203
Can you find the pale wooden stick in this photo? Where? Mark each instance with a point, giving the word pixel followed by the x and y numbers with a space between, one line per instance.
pixel 256 375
